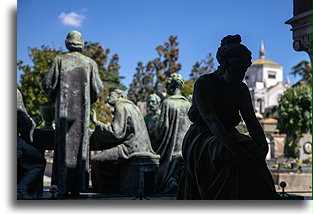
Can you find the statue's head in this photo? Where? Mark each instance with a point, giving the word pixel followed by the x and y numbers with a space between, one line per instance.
pixel 74 41
pixel 153 102
pixel 115 95
pixel 174 83
pixel 234 59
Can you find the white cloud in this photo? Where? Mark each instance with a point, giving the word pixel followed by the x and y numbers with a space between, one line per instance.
pixel 72 19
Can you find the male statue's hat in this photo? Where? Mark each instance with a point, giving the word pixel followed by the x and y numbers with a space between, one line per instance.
pixel 74 40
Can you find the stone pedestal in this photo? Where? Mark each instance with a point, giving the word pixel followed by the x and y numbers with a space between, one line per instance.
pixel 139 174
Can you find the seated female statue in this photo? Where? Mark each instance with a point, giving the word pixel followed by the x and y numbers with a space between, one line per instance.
pixel 220 162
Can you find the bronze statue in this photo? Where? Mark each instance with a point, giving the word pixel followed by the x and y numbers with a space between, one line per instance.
pixel 171 127
pixel 72 83
pixel 220 162
pixel 126 135
pixel 153 107
pixel 30 162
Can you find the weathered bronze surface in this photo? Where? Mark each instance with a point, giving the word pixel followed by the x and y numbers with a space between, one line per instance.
pixel 72 83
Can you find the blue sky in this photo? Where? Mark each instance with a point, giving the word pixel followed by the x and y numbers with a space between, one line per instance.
pixel 133 28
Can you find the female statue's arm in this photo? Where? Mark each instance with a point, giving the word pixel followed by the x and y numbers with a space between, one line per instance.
pixel 253 125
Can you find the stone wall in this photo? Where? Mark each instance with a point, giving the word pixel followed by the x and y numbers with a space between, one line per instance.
pixel 295 181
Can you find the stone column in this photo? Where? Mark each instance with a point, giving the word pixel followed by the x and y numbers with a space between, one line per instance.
pixel 301 23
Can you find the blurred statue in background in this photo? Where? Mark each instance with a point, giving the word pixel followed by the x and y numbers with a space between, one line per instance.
pixel 72 83
pixel 153 104
pixel 171 128
pixel 126 135
pixel 30 162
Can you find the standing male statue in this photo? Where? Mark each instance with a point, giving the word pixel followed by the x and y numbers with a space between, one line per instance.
pixel 171 128
pixel 72 83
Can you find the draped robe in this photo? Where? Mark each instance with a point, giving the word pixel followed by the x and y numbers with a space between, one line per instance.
pixel 171 128
pixel 211 171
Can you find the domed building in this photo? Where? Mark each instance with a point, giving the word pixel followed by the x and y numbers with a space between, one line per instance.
pixel 265 81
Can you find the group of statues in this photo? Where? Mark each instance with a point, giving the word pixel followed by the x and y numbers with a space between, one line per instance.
pixel 200 151
pixel 73 84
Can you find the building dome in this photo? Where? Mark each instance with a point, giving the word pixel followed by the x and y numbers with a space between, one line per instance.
pixel 265 78
pixel 262 60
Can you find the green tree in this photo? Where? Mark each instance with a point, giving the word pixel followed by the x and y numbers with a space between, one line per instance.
pixel 99 54
pixel 270 112
pixel 166 63
pixel 30 79
pixel 294 116
pixel 109 73
pixel 205 66
pixel 143 82
pixel 188 87
pixel 200 68
pixel 304 69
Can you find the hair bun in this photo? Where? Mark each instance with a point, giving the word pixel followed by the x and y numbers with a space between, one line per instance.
pixel 231 39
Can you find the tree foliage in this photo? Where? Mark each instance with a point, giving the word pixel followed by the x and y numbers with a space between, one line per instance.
pixel 205 66
pixel 304 69
pixel 188 87
pixel 167 62
pixel 143 82
pixel 30 79
pixel 200 68
pixel 42 58
pixel 270 112
pixel 147 78
pixel 294 114
pixel 108 67
pixel 109 73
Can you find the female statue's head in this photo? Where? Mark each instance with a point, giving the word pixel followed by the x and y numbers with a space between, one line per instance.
pixel 74 41
pixel 153 102
pixel 174 83
pixel 234 59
